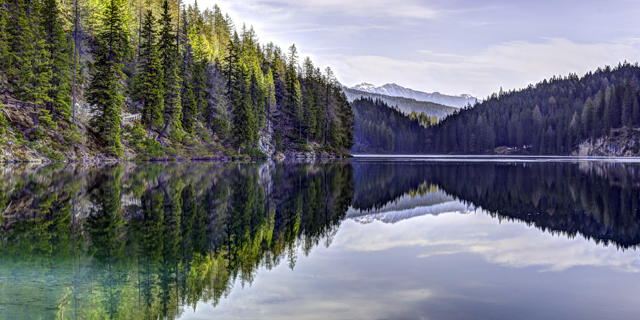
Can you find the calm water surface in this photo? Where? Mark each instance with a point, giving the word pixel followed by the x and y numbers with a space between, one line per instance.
pixel 370 238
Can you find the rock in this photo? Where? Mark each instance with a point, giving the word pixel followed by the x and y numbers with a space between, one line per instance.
pixel 279 156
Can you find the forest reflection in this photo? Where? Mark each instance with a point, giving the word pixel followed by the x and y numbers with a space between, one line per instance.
pixel 598 200
pixel 147 241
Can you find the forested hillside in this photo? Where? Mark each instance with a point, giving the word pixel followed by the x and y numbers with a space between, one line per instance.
pixel 386 130
pixel 405 105
pixel 157 79
pixel 551 117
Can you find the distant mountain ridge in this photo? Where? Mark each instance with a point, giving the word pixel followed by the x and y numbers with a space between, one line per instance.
pixel 404 105
pixel 395 90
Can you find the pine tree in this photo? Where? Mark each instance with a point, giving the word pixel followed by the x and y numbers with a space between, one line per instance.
pixel 310 113
pixel 636 112
pixel 293 98
pixel 4 41
pixel 105 92
pixel 168 51
pixel 149 89
pixel 347 119
pixel 216 101
pixel 61 49
pixel 189 106
pixel 243 120
pixel 270 104
pixel 29 57
pixel 614 108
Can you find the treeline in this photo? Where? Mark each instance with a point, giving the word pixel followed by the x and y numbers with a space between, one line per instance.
pixel 382 129
pixel 188 73
pixel 551 117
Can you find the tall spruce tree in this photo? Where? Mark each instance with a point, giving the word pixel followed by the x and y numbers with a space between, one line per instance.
pixel 243 119
pixel 216 101
pixel 60 49
pixel 168 51
pixel 4 41
pixel 29 57
pixel 105 92
pixel 149 89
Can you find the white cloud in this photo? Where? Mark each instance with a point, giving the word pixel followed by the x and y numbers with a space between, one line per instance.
pixel 398 8
pixel 512 65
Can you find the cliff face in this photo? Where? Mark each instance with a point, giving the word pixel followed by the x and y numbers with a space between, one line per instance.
pixel 620 143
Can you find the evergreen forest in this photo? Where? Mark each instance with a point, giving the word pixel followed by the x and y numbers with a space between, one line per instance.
pixel 158 79
pixel 381 129
pixel 552 117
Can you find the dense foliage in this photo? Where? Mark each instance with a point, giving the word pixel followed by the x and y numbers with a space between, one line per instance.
pixel 551 117
pixel 188 73
pixel 382 129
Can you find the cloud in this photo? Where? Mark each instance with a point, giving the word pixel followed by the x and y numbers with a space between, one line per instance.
pixel 369 8
pixel 512 65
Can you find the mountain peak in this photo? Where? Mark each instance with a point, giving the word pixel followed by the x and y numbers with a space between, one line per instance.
pixel 396 90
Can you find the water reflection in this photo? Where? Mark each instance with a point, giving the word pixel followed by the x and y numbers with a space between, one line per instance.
pixel 156 241
pixel 146 242
pixel 597 200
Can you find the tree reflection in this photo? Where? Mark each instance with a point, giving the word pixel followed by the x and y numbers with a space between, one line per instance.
pixel 598 200
pixel 152 240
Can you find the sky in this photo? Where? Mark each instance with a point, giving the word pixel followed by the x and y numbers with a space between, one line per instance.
pixel 452 46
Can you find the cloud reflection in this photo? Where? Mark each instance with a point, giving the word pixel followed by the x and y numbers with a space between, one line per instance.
pixel 509 244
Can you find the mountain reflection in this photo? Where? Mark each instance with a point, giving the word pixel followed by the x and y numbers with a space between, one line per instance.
pixel 145 242
pixel 597 200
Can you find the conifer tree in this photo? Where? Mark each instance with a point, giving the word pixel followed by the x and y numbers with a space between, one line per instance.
pixel 216 101
pixel 168 51
pixel 60 48
pixel 105 91
pixel 243 120
pixel 293 105
pixel 189 107
pixel 310 113
pixel 636 112
pixel 4 41
pixel 149 89
pixel 627 105
pixel 270 87
pixel 29 57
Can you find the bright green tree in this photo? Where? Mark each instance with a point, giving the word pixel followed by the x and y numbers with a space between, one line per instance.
pixel 29 57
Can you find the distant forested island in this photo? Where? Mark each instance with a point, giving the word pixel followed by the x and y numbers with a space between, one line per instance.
pixel 157 79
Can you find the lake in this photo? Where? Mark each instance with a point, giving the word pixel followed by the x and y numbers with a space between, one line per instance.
pixel 366 238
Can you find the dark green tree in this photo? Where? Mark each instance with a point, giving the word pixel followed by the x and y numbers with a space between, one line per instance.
pixel 60 48
pixel 149 91
pixel 105 92
pixel 170 61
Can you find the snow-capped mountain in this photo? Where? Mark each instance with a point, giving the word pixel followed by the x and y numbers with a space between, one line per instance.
pixel 395 90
